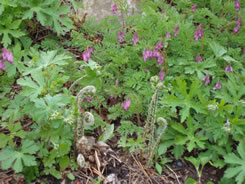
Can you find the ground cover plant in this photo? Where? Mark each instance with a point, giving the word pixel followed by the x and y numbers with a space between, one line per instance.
pixel 162 88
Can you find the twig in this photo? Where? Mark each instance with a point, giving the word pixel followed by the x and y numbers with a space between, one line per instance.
pixel 142 168
pixel 174 174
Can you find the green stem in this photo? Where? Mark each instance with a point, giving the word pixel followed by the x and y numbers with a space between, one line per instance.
pixel 74 83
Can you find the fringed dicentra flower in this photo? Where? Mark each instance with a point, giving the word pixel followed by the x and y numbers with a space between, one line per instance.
pixel 145 55
pixel 161 75
pixel 217 86
pixel 159 46
pixel 238 24
pixel 229 68
pixel 206 79
pixel 7 56
pixel 135 38
pixel 176 31
pixel 160 60
pixel 194 8
pixel 120 36
pixel 2 66
pixel 88 99
pixel 199 33
pixel 116 83
pixel 126 104
pixel 87 54
pixel 237 5
pixel 198 58
pixel 114 9
pixel 153 54
pixel 168 35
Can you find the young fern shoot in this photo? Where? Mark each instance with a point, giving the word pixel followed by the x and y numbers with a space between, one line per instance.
pixel 151 120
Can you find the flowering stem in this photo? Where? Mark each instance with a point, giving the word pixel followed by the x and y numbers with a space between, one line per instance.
pixel 123 20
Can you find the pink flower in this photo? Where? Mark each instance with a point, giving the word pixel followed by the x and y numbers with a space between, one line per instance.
pixel 146 70
pixel 206 79
pixel 229 68
pixel 111 97
pixel 160 60
pixel 62 16
pixel 120 36
pixel 147 54
pixel 114 9
pixel 159 46
pixel 135 38
pixel 199 33
pixel 176 31
pixel 237 5
pixel 161 75
pixel 217 86
pixel 116 83
pixel 243 51
pixel 88 99
pixel 198 58
pixel 2 66
pixel 155 54
pixel 168 35
pixel 87 54
pixel 7 56
pixel 126 104
pixel 238 24
pixel 194 8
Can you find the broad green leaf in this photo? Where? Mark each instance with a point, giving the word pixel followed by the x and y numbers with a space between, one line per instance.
pixel 64 162
pixel 217 49
pixel 48 58
pixel 158 168
pixel 108 133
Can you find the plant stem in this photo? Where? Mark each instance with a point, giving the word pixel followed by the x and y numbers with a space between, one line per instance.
pixel 74 83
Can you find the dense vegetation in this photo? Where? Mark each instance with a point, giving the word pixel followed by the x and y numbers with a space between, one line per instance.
pixel 170 79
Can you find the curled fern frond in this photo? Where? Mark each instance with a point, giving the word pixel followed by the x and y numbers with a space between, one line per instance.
pixel 82 117
pixel 88 119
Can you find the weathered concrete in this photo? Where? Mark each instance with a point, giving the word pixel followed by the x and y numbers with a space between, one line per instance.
pixel 102 8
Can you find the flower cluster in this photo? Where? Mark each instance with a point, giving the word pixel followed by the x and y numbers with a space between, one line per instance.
pixel 238 24
pixel 194 8
pixel 168 35
pixel 159 46
pixel 87 54
pixel 126 104
pixel 120 36
pixel 198 58
pixel 206 79
pixel 6 56
pixel 161 75
pixel 114 9
pixel 153 54
pixel 229 68
pixel 135 38
pixel 88 99
pixel 217 86
pixel 237 5
pixel 199 33
pixel 176 31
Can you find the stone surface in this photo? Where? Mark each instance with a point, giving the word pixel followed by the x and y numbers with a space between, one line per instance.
pixel 102 8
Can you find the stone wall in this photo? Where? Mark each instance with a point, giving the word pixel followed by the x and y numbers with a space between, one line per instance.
pixel 102 8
